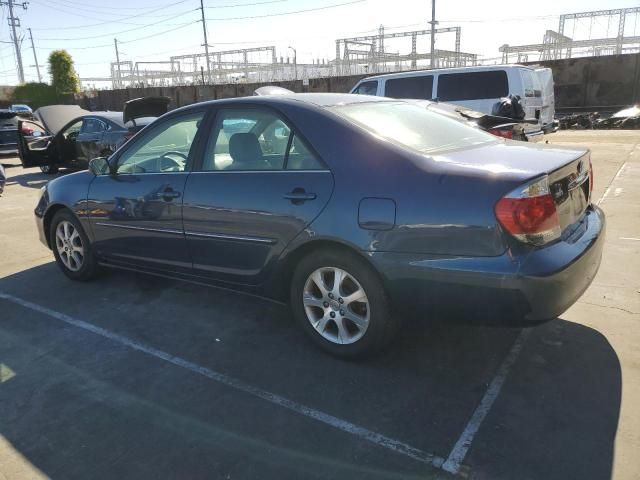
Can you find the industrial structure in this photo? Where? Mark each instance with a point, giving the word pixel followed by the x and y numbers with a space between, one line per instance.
pixel 601 32
pixel 368 54
pixel 356 55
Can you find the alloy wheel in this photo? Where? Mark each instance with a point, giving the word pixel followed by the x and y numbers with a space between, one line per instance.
pixel 69 245
pixel 336 305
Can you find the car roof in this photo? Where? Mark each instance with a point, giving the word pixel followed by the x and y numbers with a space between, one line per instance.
pixel 413 73
pixel 316 99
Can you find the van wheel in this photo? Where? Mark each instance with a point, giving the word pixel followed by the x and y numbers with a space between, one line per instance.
pixel 48 169
pixel 340 302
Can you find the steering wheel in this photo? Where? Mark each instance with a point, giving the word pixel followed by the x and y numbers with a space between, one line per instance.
pixel 179 154
pixel 168 164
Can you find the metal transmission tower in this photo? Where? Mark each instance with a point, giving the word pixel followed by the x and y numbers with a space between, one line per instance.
pixel 369 54
pixel 13 23
pixel 575 39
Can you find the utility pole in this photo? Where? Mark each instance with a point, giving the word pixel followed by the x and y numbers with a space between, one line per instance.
pixel 206 42
pixel 433 33
pixel 119 83
pixel 13 23
pixel 35 57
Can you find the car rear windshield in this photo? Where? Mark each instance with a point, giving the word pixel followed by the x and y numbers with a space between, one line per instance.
pixel 472 85
pixel 413 126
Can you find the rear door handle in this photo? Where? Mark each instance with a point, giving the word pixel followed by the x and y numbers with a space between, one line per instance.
pixel 299 195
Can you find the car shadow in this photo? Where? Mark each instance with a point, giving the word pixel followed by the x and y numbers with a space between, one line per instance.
pixel 34 179
pixel 78 405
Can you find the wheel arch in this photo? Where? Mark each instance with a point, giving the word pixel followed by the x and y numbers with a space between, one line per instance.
pixel 291 259
pixel 48 218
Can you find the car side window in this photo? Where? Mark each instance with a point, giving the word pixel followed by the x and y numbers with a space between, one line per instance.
pixel 73 130
pixel 256 139
pixel 367 88
pixel 301 158
pixel 247 139
pixel 164 149
pixel 92 125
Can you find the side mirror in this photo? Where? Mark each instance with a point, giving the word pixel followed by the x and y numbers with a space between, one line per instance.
pixel 99 166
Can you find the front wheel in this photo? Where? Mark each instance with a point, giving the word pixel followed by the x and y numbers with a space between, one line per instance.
pixel 340 302
pixel 71 247
pixel 49 169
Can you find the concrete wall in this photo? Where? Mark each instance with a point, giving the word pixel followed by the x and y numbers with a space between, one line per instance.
pixel 593 82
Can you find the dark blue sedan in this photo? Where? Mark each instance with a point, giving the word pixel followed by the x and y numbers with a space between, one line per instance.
pixel 358 210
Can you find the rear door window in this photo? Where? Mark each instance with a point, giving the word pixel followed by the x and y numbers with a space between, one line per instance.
pixel 366 88
pixel 472 85
pixel 531 84
pixel 410 87
pixel 92 125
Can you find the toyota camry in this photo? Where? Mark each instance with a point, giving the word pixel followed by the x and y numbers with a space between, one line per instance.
pixel 354 209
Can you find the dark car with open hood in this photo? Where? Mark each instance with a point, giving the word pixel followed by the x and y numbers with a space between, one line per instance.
pixel 69 136
pixel 358 210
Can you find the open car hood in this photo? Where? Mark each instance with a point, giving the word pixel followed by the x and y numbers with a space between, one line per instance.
pixel 54 117
pixel 145 107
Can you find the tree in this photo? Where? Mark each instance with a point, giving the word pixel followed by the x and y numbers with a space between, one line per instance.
pixel 63 76
pixel 35 94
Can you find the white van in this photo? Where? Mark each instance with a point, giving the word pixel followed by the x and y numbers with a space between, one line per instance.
pixel 477 88
pixel 548 111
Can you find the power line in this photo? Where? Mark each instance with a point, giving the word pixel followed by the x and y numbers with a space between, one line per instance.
pixel 116 20
pixel 287 13
pixel 118 33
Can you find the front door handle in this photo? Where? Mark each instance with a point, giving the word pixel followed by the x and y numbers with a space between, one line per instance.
pixel 299 195
pixel 168 194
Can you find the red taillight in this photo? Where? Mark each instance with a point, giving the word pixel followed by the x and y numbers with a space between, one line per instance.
pixel 500 132
pixel 529 213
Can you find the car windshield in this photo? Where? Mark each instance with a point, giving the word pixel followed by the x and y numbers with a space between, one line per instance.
pixel 413 126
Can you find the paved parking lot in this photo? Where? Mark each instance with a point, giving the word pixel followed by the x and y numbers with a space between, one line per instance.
pixel 133 376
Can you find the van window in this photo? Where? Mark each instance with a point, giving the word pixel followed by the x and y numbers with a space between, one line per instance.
pixel 410 87
pixel 531 84
pixel 366 88
pixel 472 85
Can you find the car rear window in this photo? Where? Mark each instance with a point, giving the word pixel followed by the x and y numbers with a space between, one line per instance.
pixel 472 85
pixel 413 126
pixel 410 87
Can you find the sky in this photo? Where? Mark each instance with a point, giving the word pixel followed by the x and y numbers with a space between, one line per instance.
pixel 150 30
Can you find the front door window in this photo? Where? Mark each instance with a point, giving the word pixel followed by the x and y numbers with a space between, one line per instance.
pixel 162 150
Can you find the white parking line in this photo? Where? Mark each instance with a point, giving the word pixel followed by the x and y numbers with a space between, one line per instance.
pixel 608 189
pixel 460 449
pixel 322 417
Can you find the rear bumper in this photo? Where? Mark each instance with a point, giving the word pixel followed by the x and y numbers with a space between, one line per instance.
pixel 529 286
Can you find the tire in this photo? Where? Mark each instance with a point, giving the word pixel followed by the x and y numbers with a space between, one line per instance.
pixel 49 169
pixel 76 247
pixel 375 328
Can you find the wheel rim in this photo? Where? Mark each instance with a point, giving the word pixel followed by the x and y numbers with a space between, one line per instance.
pixel 69 246
pixel 45 168
pixel 336 305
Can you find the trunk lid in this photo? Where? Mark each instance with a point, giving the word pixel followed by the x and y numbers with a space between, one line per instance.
pixel 145 107
pixel 511 164
pixel 570 188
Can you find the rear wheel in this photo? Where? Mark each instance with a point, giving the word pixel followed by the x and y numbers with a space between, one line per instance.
pixel 49 169
pixel 341 304
pixel 71 247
